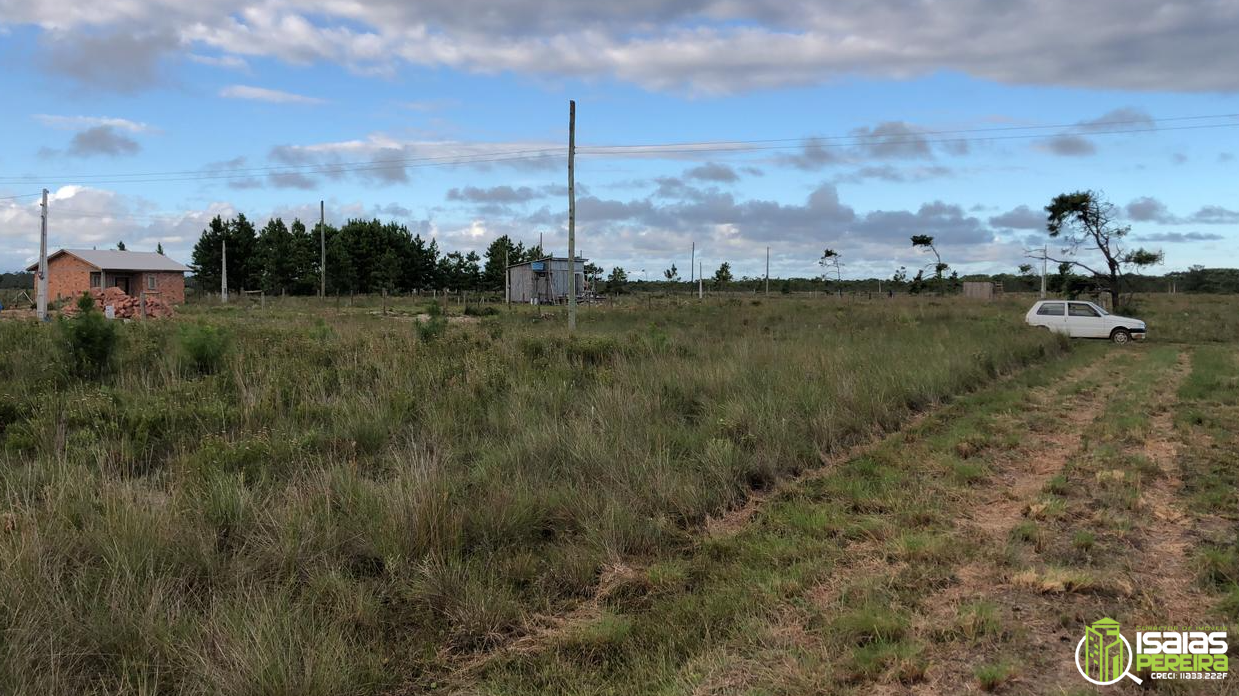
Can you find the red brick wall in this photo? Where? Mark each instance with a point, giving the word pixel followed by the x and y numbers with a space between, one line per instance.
pixel 68 277
pixel 169 285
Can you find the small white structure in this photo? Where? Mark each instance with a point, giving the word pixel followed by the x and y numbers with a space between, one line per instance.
pixel 545 281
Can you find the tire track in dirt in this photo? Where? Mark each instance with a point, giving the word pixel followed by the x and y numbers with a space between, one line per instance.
pixel 1158 584
pixel 1006 500
pixel 542 629
pixel 1174 596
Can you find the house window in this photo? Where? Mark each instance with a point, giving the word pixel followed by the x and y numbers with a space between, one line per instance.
pixel 94 279
pixel 150 281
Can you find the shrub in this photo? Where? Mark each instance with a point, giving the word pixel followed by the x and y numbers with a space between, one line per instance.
pixel 204 346
pixel 432 328
pixel 88 340
pixel 476 311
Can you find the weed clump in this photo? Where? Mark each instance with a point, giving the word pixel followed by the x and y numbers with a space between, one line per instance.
pixel 432 328
pixel 204 346
pixel 88 340
pixel 476 311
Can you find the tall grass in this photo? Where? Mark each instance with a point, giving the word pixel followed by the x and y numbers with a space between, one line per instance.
pixel 338 501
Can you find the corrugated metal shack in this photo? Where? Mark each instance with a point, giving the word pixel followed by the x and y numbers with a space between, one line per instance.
pixel 545 281
pixel 978 290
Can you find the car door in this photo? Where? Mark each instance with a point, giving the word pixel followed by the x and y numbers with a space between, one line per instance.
pixel 1085 322
pixel 1052 315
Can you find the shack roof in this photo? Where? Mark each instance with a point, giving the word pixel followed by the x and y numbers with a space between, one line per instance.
pixel 114 260
pixel 579 259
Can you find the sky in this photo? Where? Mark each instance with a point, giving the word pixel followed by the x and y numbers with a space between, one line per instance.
pixel 736 126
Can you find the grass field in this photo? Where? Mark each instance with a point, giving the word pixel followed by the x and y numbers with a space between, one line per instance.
pixel 344 501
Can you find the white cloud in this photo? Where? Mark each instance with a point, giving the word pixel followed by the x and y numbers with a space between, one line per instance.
pixel 688 46
pixel 229 62
pixel 84 122
pixel 273 96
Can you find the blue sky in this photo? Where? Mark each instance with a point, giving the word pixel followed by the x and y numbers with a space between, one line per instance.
pixel 202 101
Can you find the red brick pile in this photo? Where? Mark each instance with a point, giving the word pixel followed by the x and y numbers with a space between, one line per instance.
pixel 124 306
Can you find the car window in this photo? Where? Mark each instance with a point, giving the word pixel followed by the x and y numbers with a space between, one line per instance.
pixel 1051 309
pixel 1079 309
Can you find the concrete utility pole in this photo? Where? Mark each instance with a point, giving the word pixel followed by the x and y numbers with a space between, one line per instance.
pixel 41 304
pixel 322 248
pixel 223 272
pixel 767 270
pixel 571 215
pixel 1045 252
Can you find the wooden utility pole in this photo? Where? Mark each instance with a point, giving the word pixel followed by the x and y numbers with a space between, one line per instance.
pixel 322 249
pixel 767 270
pixel 692 267
pixel 223 271
pixel 41 304
pixel 507 274
pixel 571 215
pixel 699 291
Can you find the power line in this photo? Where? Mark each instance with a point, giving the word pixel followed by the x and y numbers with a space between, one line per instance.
pixel 24 195
pixel 861 136
pixel 738 147
pixel 673 148
pixel 319 168
pixel 329 169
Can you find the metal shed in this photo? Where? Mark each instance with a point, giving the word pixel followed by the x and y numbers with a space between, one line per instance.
pixel 545 281
pixel 979 290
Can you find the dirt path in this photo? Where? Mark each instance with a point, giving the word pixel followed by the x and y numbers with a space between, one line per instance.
pixel 1055 423
pixel 961 555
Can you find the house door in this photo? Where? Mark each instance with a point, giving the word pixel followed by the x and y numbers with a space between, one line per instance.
pixel 122 282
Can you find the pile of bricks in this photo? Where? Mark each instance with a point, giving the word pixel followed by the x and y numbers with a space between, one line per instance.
pixel 124 306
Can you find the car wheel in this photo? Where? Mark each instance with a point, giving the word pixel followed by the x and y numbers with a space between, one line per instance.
pixel 1120 336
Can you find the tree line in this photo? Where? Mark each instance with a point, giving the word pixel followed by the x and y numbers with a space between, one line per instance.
pixel 363 256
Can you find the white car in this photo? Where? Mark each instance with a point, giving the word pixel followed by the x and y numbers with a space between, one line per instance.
pixel 1084 320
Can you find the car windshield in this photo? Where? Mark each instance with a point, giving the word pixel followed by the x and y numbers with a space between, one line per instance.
pixel 1104 313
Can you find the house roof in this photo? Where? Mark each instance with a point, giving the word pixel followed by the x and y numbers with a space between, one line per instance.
pixel 113 260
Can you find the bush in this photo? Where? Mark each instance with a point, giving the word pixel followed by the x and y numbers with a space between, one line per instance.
pixel 88 340
pixel 478 311
pixel 204 346
pixel 432 328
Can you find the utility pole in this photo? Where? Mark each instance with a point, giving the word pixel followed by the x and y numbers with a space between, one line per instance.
pixel 699 293
pixel 322 249
pixel 1045 252
pixel 42 302
pixel 767 270
pixel 571 215
pixel 507 275
pixel 692 267
pixel 223 272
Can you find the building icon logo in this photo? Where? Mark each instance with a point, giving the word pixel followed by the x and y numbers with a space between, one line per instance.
pixel 1103 655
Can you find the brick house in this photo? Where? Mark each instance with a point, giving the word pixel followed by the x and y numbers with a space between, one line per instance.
pixel 71 272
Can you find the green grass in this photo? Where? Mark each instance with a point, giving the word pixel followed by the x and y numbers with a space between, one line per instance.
pixel 331 499
pixel 991 677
